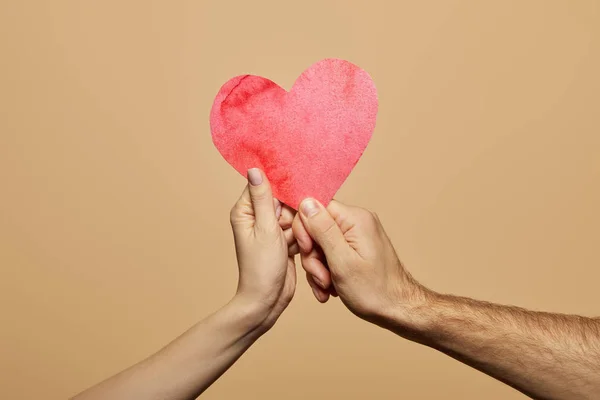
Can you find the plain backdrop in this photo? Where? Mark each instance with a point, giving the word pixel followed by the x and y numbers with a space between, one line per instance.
pixel 114 234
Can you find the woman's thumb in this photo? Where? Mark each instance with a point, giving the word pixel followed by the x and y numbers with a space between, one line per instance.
pixel 261 198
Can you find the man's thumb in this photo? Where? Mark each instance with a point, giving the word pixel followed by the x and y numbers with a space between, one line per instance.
pixel 321 226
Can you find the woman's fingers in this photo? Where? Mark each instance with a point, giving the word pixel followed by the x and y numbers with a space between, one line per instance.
pixel 286 217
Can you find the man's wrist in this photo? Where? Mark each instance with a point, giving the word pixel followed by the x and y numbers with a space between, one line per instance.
pixel 410 314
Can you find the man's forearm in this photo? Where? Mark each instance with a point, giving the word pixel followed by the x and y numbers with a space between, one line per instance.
pixel 189 364
pixel 546 356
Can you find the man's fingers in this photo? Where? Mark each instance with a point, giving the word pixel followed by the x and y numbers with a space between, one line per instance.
pixel 304 240
pixel 261 198
pixel 323 228
pixel 314 265
pixel 344 215
pixel 321 295
pixel 293 250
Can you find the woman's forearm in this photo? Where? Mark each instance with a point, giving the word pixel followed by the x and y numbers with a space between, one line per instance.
pixel 265 249
pixel 191 363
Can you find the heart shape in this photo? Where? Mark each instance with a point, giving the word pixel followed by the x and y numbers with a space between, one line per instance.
pixel 307 140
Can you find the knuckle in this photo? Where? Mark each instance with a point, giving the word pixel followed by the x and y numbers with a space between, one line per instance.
pixel 340 276
pixel 309 267
pixel 239 212
pixel 328 228
pixel 328 231
pixel 233 213
pixel 267 234
pixel 260 194
pixel 367 217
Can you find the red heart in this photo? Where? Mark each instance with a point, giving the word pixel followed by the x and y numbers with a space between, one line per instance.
pixel 306 140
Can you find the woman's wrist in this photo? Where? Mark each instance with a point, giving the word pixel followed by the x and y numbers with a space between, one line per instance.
pixel 249 314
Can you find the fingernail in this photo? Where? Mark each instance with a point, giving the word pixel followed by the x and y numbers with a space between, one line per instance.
pixel 309 207
pixel 254 176
pixel 318 282
pixel 315 293
pixel 278 211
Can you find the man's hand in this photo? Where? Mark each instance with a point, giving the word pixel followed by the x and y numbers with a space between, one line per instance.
pixel 265 248
pixel 353 258
pixel 544 355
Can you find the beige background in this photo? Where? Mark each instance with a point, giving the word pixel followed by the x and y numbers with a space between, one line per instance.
pixel 114 234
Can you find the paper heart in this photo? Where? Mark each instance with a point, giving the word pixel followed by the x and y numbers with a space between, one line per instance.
pixel 306 140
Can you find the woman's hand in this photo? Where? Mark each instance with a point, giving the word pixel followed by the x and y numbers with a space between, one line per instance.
pixel 265 248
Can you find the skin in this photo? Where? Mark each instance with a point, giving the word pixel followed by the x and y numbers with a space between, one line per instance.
pixel 345 251
pixel 265 249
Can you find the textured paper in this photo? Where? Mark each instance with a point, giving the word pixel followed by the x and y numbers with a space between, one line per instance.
pixel 306 140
